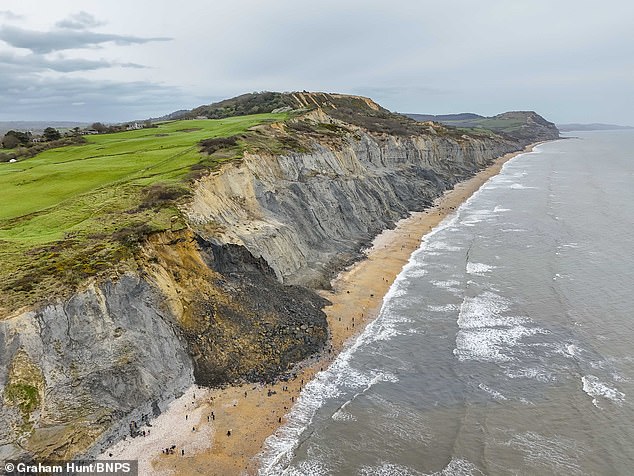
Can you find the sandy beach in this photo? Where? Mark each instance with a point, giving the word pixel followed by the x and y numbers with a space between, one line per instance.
pixel 227 441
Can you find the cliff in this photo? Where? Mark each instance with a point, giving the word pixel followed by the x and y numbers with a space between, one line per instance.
pixel 230 296
pixel 521 126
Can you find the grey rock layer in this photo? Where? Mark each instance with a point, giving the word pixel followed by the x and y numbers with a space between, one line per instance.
pixel 106 354
pixel 308 214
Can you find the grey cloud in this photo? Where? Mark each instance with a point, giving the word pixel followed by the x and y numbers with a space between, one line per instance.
pixel 32 96
pixel 33 63
pixel 9 15
pixel 79 21
pixel 64 39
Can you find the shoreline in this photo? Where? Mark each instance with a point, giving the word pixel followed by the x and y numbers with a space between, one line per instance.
pixel 253 412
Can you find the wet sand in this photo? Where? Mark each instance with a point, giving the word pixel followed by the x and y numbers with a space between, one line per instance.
pixel 356 297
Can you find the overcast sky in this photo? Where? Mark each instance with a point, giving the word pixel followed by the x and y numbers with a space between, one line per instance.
pixel 571 61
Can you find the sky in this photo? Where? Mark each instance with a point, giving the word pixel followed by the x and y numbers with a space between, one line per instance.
pixel 571 61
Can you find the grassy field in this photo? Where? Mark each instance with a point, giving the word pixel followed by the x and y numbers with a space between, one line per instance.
pixel 507 124
pixel 72 212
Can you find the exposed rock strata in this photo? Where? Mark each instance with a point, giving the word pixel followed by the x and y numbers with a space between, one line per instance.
pixel 108 353
pixel 308 214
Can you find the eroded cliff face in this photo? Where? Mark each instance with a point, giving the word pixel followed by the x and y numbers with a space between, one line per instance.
pixel 307 214
pixel 78 368
pixel 229 297
pixel 77 372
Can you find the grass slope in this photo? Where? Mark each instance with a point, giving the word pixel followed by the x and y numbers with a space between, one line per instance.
pixel 70 213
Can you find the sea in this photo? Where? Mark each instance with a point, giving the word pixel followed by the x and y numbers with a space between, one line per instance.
pixel 506 344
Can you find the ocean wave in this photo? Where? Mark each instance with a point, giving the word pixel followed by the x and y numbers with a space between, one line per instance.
pixel 328 384
pixel 494 393
pixel 439 245
pixel 471 217
pixel 311 467
pixel 540 374
pixel 388 469
pixel 555 454
pixel 483 310
pixel 449 284
pixel 478 268
pixel 342 415
pixel 442 307
pixel 417 273
pixel 459 467
pixel 491 344
pixel 594 388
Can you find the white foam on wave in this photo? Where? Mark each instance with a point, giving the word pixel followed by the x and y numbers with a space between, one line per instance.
pixel 478 268
pixel 593 387
pixel 485 310
pixel 442 307
pixel 490 344
pixel 447 284
pixel 439 245
pixel 519 186
pixel 485 333
pixel 342 415
pixel 417 273
pixel 548 455
pixel 388 469
pixel 572 350
pixel 311 467
pixel 499 209
pixel 539 374
pixel 494 393
pixel 458 467
pixel 471 217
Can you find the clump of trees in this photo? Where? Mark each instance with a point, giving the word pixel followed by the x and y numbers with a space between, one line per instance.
pixel 13 139
pixel 22 145
pixel 252 103
pixel 50 134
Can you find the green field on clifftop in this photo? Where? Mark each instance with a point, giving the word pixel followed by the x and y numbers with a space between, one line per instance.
pixel 73 211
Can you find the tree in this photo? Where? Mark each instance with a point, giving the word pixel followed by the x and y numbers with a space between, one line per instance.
pixel 99 127
pixel 51 134
pixel 10 141
pixel 23 137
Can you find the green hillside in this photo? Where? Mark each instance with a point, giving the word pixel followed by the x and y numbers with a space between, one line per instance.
pixel 70 212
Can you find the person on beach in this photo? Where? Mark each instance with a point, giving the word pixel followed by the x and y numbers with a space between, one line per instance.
pixel 228 432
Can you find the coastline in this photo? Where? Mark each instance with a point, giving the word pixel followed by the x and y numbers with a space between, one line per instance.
pixel 252 412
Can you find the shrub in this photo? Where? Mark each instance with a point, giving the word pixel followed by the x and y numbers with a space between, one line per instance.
pixel 159 194
pixel 210 146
